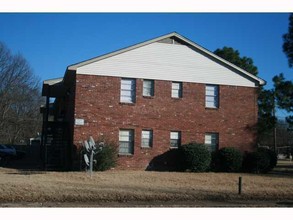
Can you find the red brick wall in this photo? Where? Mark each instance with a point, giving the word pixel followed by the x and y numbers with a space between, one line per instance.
pixel 98 103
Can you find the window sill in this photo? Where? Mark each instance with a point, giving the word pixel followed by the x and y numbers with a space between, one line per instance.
pixel 125 155
pixel 174 98
pixel 174 148
pixel 146 148
pixel 148 97
pixel 211 108
pixel 127 103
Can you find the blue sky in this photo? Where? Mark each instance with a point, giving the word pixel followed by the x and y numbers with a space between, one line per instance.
pixel 51 42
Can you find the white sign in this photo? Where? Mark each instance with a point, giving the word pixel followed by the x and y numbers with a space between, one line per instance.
pixel 79 121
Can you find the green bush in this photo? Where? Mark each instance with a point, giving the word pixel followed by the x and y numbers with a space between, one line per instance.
pixel 196 157
pixel 261 161
pixel 170 160
pixel 106 158
pixel 272 155
pixel 256 162
pixel 227 159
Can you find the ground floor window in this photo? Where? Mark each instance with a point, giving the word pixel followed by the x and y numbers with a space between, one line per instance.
pixel 212 141
pixel 146 138
pixel 126 143
pixel 175 139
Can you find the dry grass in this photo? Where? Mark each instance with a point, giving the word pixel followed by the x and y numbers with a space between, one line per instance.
pixel 121 186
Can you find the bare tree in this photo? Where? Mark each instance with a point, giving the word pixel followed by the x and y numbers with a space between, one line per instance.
pixel 20 98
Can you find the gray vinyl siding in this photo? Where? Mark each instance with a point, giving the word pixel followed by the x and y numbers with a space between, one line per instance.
pixel 173 62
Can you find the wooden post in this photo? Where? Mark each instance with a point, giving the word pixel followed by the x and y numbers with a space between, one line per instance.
pixel 240 185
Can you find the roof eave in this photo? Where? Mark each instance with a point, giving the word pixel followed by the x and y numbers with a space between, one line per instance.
pixel 75 66
pixel 261 81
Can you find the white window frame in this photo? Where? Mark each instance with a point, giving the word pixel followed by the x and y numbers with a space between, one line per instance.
pixel 148 88
pixel 175 136
pixel 176 91
pixel 126 141
pixel 212 96
pixel 146 138
pixel 211 140
pixel 127 90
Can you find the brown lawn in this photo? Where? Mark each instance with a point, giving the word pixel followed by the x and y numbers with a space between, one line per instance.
pixel 141 186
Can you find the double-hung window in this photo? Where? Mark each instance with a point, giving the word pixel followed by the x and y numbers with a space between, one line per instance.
pixel 146 138
pixel 212 96
pixel 176 90
pixel 148 87
pixel 126 143
pixel 175 139
pixel 127 92
pixel 212 141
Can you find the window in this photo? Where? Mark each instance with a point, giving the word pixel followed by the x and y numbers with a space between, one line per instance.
pixel 146 138
pixel 175 139
pixel 148 87
pixel 126 144
pixel 212 141
pixel 176 90
pixel 212 96
pixel 127 93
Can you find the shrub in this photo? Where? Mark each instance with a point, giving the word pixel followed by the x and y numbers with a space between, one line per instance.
pixel 256 162
pixel 261 161
pixel 197 157
pixel 170 160
pixel 227 159
pixel 106 158
pixel 272 156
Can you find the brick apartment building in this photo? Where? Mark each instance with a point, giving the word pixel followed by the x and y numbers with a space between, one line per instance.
pixel 149 98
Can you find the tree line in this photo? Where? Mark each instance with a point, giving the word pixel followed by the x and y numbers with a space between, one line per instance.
pixel 269 100
pixel 20 99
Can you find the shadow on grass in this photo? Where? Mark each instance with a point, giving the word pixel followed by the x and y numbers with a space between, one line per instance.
pixel 26 172
pixel 284 169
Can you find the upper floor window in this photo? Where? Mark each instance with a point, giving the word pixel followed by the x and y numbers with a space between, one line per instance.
pixel 212 141
pixel 127 91
pixel 126 142
pixel 176 90
pixel 146 138
pixel 175 139
pixel 148 87
pixel 212 96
